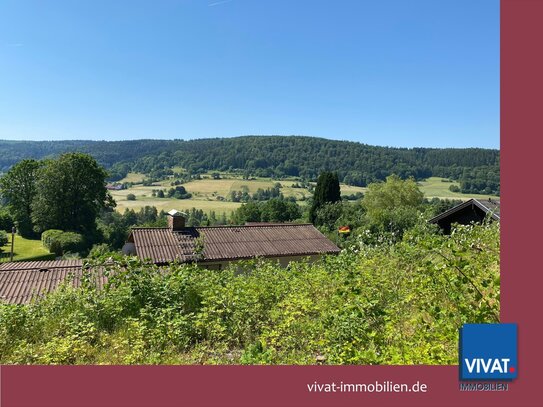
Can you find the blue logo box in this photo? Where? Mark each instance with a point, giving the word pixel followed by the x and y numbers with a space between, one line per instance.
pixel 488 352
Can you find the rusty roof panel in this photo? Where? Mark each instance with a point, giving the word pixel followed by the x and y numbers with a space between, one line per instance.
pixel 20 282
pixel 29 265
pixel 162 245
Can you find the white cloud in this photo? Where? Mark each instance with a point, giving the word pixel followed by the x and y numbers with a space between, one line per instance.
pixel 219 2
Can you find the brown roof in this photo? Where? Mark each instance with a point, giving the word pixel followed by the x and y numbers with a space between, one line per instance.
pixel 20 282
pixel 162 245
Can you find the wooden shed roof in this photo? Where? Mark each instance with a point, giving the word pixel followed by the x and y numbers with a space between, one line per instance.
pixel 226 243
pixel 488 206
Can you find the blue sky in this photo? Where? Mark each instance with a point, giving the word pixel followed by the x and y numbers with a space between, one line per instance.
pixel 388 72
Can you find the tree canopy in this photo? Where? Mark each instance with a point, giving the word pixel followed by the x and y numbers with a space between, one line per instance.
pixel 19 188
pixel 70 193
pixel 326 191
pixel 393 206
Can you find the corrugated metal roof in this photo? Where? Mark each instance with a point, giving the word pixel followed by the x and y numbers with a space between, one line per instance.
pixel 20 282
pixel 33 265
pixel 491 206
pixel 162 245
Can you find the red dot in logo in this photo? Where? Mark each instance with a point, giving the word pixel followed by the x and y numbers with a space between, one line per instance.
pixel 512 369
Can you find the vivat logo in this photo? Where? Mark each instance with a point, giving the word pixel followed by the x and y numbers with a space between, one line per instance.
pixel 488 352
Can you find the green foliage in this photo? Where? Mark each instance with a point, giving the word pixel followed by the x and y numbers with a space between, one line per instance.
pixel 393 206
pixel 398 303
pixel 326 191
pixel 273 210
pixel 6 219
pixel 49 236
pixel 4 239
pixel 19 187
pixel 454 188
pixel 179 192
pixel 114 227
pixel 100 251
pixel 483 180
pixel 70 193
pixel 274 156
pixel 130 197
pixel 60 243
pixel 328 214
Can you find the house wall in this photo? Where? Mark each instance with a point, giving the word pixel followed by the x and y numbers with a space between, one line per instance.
pixel 129 249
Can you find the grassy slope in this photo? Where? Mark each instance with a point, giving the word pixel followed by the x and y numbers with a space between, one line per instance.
pixel 206 191
pixel 26 249
pixel 435 187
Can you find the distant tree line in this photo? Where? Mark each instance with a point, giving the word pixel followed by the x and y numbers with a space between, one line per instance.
pixel 261 194
pixel 358 164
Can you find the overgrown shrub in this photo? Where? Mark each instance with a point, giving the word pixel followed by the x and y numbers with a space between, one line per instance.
pixel 393 303
pixel 4 239
pixel 6 220
pixel 60 242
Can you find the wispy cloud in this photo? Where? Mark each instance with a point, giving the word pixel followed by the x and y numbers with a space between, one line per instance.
pixel 15 45
pixel 218 2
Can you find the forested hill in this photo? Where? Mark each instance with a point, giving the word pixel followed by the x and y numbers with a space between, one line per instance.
pixel 278 156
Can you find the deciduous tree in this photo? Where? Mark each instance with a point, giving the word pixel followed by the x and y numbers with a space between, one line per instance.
pixel 71 191
pixel 18 186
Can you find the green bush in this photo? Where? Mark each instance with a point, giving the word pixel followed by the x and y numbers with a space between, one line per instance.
pixel 49 237
pixel 454 188
pixel 60 242
pixel 130 197
pixel 6 220
pixel 394 303
pixel 4 239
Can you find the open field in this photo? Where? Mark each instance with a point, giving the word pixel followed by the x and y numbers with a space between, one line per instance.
pixel 133 177
pixel 26 249
pixel 350 189
pixel 435 187
pixel 179 204
pixel 206 191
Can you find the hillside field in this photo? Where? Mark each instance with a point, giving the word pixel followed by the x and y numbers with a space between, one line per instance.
pixel 439 188
pixel 206 192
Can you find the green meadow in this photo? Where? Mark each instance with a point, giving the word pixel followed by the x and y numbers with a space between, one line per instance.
pixel 439 188
pixel 211 194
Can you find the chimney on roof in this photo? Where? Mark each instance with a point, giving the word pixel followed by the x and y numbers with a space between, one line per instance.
pixel 176 220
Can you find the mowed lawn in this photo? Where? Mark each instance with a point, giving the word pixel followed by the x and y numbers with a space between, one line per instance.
pixel 25 249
